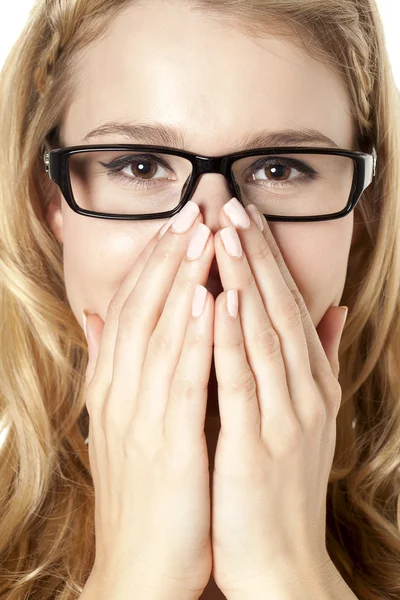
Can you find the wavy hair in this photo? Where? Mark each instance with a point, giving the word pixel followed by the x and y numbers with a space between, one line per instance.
pixel 47 537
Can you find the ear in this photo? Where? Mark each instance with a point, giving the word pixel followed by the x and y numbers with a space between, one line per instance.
pixel 54 217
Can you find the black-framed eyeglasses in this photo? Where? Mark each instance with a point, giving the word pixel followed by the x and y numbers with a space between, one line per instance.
pixel 95 180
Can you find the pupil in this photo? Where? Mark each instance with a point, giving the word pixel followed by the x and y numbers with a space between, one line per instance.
pixel 143 170
pixel 279 169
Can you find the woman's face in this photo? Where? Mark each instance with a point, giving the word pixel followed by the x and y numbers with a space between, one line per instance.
pixel 167 64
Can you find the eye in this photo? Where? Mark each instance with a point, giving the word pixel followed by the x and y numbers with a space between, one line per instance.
pixel 141 168
pixel 279 170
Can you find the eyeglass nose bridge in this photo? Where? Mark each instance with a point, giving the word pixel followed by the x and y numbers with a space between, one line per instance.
pixel 203 165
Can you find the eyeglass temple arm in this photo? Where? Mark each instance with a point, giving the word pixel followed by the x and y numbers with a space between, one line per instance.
pixel 46 158
pixel 374 156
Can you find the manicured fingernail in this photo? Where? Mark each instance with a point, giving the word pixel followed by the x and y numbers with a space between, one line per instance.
pixel 198 241
pixel 166 226
pixel 185 219
pixel 232 303
pixel 231 241
pixel 255 215
pixel 237 214
pixel 199 300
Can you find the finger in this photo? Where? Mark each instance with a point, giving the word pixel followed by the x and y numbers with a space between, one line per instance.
pixel 237 390
pixel 273 346
pixel 139 317
pixel 318 361
pixel 166 342
pixel 159 250
pixel 187 404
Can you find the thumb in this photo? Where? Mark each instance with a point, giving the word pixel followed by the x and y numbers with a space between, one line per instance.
pixel 93 326
pixel 330 331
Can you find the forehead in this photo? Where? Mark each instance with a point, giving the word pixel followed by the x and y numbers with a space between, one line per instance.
pixel 215 83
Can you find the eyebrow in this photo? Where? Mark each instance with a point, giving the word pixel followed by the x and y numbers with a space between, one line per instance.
pixel 159 134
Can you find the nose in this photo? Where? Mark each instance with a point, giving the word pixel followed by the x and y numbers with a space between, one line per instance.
pixel 211 193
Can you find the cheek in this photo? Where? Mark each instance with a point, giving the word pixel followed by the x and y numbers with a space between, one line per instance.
pixel 97 259
pixel 316 255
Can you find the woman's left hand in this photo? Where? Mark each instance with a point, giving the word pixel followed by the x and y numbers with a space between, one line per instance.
pixel 278 395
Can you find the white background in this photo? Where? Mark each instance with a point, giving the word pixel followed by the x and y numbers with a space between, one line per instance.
pixel 14 14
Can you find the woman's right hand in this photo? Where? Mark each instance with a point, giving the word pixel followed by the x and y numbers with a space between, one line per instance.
pixel 146 395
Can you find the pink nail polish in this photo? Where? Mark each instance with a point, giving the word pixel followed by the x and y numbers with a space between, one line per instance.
pixel 166 226
pixel 232 303
pixel 231 241
pixel 237 214
pixel 255 215
pixel 199 300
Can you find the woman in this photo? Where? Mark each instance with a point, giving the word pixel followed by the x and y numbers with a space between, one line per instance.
pixel 109 112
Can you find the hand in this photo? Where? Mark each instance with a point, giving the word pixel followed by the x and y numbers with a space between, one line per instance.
pixel 278 398
pixel 146 396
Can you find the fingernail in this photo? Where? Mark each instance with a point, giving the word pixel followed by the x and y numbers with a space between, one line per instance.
pixel 345 310
pixel 198 241
pixel 166 226
pixel 237 214
pixel 199 300
pixel 231 241
pixel 255 215
pixel 232 303
pixel 185 219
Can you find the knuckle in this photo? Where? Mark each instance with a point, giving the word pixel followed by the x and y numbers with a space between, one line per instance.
pixel 137 437
pixel 327 377
pixel 290 437
pixel 248 282
pixel 300 302
pixel 130 313
pixel 194 338
pixel 335 394
pixel 244 382
pixel 111 422
pixel 135 446
pixel 315 415
pixel 141 435
pixel 236 346
pixel 291 310
pixel 160 343
pixel 325 372
pixel 167 254
pixel 262 253
pixel 268 341
pixel 274 248
pixel 185 283
pixel 183 386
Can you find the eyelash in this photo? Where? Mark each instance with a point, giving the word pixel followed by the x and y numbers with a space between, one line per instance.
pixel 115 168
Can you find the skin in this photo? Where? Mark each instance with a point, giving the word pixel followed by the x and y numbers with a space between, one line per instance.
pixel 145 74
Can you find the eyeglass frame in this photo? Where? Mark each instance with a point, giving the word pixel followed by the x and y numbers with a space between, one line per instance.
pixel 56 160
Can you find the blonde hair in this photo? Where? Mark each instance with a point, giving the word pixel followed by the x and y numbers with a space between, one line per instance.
pixel 47 540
